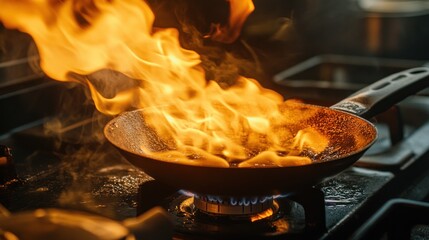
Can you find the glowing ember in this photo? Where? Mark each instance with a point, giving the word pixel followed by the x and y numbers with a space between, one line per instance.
pixel 200 122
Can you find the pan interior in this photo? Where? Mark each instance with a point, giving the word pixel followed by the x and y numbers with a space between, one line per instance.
pixel 347 134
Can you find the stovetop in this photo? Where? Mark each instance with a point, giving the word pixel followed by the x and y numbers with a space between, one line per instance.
pixel 75 168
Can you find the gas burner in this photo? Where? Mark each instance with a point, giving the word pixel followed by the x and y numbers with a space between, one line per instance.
pixel 229 209
pixel 272 218
pixel 205 216
pixel 233 205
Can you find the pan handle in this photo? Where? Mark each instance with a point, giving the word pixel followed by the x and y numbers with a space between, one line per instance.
pixel 381 95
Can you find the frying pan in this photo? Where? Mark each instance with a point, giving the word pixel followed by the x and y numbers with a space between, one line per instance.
pixel 350 135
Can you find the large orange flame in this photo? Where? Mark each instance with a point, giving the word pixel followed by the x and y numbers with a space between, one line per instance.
pixel 201 122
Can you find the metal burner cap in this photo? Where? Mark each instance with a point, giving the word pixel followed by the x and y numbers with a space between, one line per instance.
pixel 232 205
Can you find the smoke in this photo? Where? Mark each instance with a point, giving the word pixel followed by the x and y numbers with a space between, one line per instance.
pixel 222 62
pixel 100 181
pixel 96 177
pixel 195 20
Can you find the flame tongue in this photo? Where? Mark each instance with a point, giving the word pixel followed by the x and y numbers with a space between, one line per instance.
pixel 67 45
pixel 199 121
pixel 240 9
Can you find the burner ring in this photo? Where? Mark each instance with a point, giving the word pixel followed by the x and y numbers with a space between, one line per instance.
pixel 190 221
pixel 232 206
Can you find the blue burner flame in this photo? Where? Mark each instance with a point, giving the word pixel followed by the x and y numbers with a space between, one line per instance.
pixel 214 199
pixel 234 201
pixel 188 194
pixel 244 201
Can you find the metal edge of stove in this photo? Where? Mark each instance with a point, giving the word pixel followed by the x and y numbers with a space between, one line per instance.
pixel 397 155
pixel 396 219
pixel 409 182
pixel 291 76
pixel 28 104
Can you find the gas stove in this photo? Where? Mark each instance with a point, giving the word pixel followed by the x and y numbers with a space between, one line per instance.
pixel 59 175
pixel 74 169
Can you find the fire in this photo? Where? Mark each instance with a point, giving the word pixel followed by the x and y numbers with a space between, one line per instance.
pixel 199 121
pixel 239 11
pixel 263 215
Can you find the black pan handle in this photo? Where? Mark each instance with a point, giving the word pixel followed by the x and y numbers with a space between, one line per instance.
pixel 381 95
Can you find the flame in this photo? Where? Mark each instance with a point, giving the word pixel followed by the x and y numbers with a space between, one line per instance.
pixel 263 215
pixel 240 10
pixel 199 121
